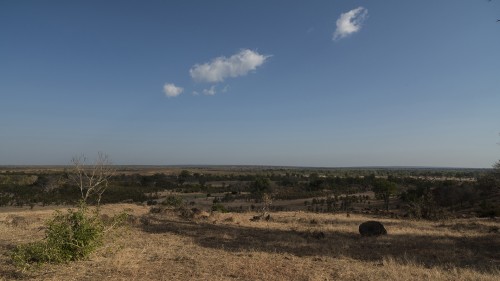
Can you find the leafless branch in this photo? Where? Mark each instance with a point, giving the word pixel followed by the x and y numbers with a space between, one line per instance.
pixel 92 179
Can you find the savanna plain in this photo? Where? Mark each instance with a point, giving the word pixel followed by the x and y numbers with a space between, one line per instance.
pixel 237 224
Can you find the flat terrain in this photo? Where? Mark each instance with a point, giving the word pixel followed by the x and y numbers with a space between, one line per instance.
pixel 290 246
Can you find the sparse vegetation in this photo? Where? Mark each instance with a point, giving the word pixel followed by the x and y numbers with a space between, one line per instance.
pixel 218 207
pixel 289 247
pixel 73 235
pixel 266 219
pixel 69 236
pixel 173 201
pixel 327 190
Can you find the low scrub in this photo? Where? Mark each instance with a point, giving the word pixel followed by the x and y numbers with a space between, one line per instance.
pixel 218 207
pixel 69 236
pixel 173 201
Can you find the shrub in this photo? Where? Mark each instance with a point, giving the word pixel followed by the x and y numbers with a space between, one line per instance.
pixel 69 236
pixel 173 201
pixel 218 207
pixel 33 253
pixel 487 209
pixel 76 234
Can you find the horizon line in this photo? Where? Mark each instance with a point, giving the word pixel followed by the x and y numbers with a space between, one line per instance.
pixel 254 166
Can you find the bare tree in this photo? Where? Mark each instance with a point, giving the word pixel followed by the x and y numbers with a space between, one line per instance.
pixel 92 179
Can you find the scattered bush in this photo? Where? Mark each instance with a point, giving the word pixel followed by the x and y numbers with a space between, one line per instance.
pixel 69 236
pixel 219 208
pixel 487 209
pixel 173 201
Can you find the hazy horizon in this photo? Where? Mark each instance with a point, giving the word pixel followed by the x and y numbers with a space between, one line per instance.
pixel 187 166
pixel 265 83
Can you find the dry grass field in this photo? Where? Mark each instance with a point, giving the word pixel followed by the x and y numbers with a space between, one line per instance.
pixel 290 246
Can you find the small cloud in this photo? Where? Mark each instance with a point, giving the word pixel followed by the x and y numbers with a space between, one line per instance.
pixel 171 90
pixel 224 90
pixel 350 22
pixel 221 68
pixel 209 92
pixel 310 30
pixel 195 93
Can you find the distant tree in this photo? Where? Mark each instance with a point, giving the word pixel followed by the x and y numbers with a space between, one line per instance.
pixel 316 182
pixel 496 168
pixel 490 182
pixel 183 176
pixel 384 189
pixel 260 186
pixel 496 172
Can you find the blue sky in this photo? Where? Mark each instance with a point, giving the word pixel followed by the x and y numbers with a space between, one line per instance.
pixel 327 83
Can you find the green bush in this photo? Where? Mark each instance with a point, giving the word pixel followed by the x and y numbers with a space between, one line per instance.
pixel 173 201
pixel 69 236
pixel 33 253
pixel 76 234
pixel 218 207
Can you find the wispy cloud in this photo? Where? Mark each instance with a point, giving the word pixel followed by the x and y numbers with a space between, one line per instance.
pixel 217 70
pixel 221 68
pixel 350 22
pixel 171 90
pixel 210 92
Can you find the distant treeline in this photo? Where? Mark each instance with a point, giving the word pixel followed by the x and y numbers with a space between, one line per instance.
pixel 425 192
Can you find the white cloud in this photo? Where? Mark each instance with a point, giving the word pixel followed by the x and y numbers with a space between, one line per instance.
pixel 171 90
pixel 195 93
pixel 350 22
pixel 224 90
pixel 221 68
pixel 209 92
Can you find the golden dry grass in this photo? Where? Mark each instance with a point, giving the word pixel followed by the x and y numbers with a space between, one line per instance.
pixel 231 247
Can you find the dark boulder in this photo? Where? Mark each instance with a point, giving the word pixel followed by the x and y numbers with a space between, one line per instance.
pixel 372 228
